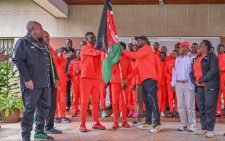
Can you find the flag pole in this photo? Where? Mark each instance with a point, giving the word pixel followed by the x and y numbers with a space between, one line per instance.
pixel 121 77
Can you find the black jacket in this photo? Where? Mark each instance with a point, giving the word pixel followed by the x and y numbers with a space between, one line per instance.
pixel 30 62
pixel 69 60
pixel 210 72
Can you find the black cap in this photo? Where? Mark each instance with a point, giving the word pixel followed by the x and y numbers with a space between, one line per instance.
pixel 142 38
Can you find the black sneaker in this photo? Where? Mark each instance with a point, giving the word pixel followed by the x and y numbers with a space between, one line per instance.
pixel 136 123
pixel 57 120
pixel 170 115
pixel 65 120
pixel 26 139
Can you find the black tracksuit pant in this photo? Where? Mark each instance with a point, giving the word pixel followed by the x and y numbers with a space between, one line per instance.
pixel 207 102
pixel 149 87
pixel 68 98
pixel 38 99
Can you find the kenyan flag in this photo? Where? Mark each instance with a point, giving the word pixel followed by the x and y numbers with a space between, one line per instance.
pixel 107 41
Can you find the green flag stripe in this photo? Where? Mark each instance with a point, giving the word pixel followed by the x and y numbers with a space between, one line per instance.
pixel 112 58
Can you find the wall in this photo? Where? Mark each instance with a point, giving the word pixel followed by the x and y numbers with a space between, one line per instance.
pixel 150 20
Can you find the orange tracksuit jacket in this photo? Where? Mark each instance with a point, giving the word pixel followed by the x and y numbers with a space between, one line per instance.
pixel 90 80
pixel 119 94
pixel 145 56
pixel 73 71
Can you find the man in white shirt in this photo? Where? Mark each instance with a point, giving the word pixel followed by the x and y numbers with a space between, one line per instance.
pixel 184 88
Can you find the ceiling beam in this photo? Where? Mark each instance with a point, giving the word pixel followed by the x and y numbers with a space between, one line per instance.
pixel 142 2
pixel 57 8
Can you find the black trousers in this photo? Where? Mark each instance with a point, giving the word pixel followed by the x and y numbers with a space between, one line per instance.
pixel 207 102
pixel 68 88
pixel 37 99
pixel 149 87
pixel 50 117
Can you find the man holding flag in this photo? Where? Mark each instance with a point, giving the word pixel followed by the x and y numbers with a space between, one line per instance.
pixel 90 81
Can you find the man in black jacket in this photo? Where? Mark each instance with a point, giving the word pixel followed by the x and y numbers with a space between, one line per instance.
pixel 35 66
pixel 49 126
pixel 205 77
pixel 71 52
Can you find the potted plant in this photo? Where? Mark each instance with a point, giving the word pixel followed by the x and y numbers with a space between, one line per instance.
pixel 10 99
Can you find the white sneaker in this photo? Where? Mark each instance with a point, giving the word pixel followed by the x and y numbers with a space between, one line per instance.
pixel 145 126
pixel 155 129
pixel 200 132
pixel 181 128
pixel 162 114
pixel 191 129
pixel 210 134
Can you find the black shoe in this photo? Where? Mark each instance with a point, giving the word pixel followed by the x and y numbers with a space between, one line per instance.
pixel 57 120
pixel 53 131
pixel 170 115
pixel 65 120
pixel 42 136
pixel 26 139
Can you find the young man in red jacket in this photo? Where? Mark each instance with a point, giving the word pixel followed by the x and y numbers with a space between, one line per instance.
pixel 149 75
pixel 172 101
pixel 74 71
pixel 90 81
pixel 60 62
pixel 119 93
pixel 162 92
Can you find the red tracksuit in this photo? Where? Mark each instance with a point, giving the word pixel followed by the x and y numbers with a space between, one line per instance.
pixel 162 91
pixel 90 80
pixel 119 94
pixel 60 63
pixel 74 72
pixel 131 92
pixel 221 58
pixel 172 101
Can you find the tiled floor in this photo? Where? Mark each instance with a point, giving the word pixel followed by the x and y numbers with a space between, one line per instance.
pixel 11 132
